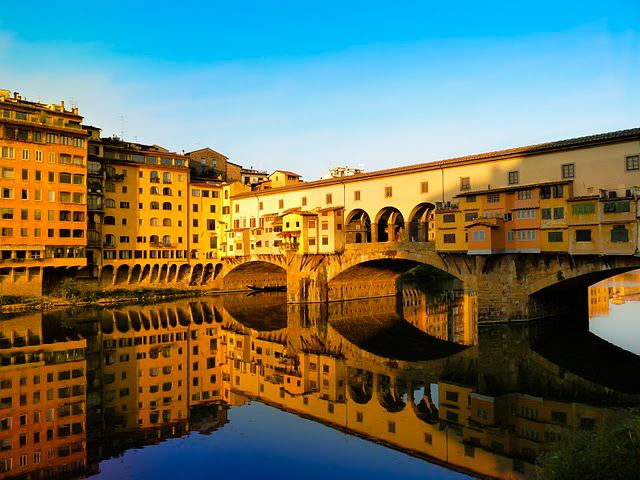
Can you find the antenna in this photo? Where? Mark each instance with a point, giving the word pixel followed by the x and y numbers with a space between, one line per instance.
pixel 122 127
pixel 74 103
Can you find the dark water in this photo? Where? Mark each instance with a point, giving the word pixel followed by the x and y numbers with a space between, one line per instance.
pixel 249 387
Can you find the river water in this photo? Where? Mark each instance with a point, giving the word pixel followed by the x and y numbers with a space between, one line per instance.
pixel 246 386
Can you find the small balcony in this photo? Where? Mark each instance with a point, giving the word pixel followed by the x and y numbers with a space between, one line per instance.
pixel 154 179
pixel 115 177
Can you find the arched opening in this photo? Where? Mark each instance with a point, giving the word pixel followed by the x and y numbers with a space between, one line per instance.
pixel 389 226
pixel 166 241
pixel 163 273
pixel 166 191
pixel 217 271
pixel 135 274
pixel 154 319
pixel 391 392
pixel 145 321
pixel 172 273
pixel 183 273
pixel 122 274
pixel 360 386
pixel 419 222
pixel 183 317
pixel 166 222
pixel 208 273
pixel 145 273
pixel 109 220
pixel 134 319
pixel 122 322
pixel 106 276
pixel 173 317
pixel 358 227
pixel 196 274
pixel 154 274
pixel 196 311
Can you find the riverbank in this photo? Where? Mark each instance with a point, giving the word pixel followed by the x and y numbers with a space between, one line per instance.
pixel 68 295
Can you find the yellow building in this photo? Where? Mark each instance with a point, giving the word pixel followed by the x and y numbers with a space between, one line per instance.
pixel 146 213
pixel 206 230
pixel 43 155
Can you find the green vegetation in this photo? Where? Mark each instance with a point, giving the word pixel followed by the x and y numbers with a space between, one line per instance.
pixel 69 290
pixel 611 451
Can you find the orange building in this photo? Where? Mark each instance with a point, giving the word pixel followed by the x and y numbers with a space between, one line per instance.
pixel 43 158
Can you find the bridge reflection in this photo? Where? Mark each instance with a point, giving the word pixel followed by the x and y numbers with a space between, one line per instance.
pixel 100 382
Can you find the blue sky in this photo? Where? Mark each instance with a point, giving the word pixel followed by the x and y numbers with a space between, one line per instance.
pixel 306 86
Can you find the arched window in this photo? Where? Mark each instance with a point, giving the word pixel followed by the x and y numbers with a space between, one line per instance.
pixel 155 191
pixel 166 206
pixel 154 239
pixel 109 220
pixel 110 187
pixel 155 206
pixel 166 222
pixel 226 194
pixel 110 171
pixel 109 240
pixel 166 240
pixel 154 222
pixel 110 203
pixel 166 177
pixel 166 191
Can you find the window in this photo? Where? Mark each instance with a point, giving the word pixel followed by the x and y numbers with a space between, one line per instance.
pixel 449 218
pixel 388 192
pixel 465 183
pixel 513 178
pixel 617 207
pixel 524 214
pixel 167 206
pixel 449 238
pixel 280 203
pixel 583 208
pixel 568 170
pixel 25 154
pixel 470 217
pixel 479 236
pixel 155 206
pixel 555 237
pixel 124 204
pixel 356 195
pixel 493 198
pixel 632 162
pixel 525 194
pixel 7 152
pixel 526 235
pixel 583 235
pixel 619 234
pixel 558 213
pixel 329 199
pixel 424 187
pixel 545 213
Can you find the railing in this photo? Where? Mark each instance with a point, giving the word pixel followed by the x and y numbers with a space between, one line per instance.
pixel 116 177
pixel 154 179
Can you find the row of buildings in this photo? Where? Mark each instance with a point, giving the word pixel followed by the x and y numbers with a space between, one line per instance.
pixel 76 204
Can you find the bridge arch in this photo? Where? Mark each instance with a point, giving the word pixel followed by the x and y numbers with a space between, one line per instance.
pixel 258 273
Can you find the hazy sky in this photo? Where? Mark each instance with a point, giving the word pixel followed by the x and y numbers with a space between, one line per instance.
pixel 305 86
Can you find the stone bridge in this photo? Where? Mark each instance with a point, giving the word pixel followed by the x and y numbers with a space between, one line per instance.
pixel 508 287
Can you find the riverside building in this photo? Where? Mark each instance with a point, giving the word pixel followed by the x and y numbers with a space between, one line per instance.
pixel 43 193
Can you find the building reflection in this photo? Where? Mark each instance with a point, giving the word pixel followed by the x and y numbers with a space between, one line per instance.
pixel 77 392
pixel 617 290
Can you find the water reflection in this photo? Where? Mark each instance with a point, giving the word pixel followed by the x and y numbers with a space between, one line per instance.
pixel 80 387
pixel 614 309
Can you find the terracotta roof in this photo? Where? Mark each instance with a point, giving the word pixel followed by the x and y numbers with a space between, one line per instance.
pixel 572 143
pixel 328 209
pixel 287 173
pixel 289 232
pixel 206 149
pixel 583 197
pixel 512 188
pixel 484 224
